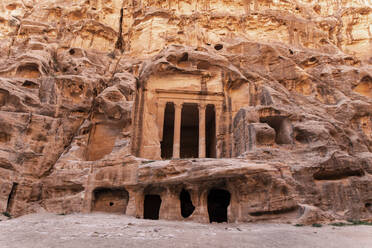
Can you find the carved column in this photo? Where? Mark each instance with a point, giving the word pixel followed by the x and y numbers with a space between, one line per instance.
pixel 160 120
pixel 218 109
pixel 177 130
pixel 201 130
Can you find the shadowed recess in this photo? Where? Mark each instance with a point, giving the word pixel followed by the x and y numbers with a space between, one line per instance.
pixel 218 201
pixel 151 207
pixel 187 208
pixel 168 132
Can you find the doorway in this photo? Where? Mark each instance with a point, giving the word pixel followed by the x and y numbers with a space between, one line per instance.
pixel 187 208
pixel 218 201
pixel 189 145
pixel 168 132
pixel 151 208
pixel 210 131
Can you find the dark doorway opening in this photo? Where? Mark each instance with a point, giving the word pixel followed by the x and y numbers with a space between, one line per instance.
pixel 152 207
pixel 110 200
pixel 210 131
pixel 186 204
pixel 218 201
pixel 11 198
pixel 189 131
pixel 168 132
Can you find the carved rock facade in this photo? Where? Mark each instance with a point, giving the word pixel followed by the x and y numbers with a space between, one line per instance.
pixel 207 110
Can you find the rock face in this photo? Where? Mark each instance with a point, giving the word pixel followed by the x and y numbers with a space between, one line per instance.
pixel 237 110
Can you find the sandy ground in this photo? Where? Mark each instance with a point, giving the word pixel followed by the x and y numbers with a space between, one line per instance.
pixel 109 230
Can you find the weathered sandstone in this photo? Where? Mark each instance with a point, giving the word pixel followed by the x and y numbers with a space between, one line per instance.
pixel 207 110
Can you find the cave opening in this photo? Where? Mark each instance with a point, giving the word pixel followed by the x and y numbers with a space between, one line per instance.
pixel 187 208
pixel 210 131
pixel 168 132
pixel 110 200
pixel 218 201
pixel 282 127
pixel 151 208
pixel 189 143
pixel 218 47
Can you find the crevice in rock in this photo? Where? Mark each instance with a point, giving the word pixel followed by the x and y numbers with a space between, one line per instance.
pixel 275 212
pixel 337 175
pixel 120 42
pixel 67 146
pixel 11 198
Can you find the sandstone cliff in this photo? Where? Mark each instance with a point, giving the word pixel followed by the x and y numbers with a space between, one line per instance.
pixel 80 116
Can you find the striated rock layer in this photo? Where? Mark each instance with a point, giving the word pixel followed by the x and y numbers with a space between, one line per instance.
pixel 97 97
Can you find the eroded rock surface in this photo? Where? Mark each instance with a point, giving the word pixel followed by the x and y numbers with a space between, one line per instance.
pixel 97 96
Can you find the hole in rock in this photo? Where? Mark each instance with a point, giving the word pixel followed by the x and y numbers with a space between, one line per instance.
pixel 72 51
pixel 4 137
pixel 187 208
pixel 189 131
pixel 29 70
pixel 218 47
pixel 303 136
pixel 210 131
pixel 367 205
pixel 168 132
pixel 185 57
pixel 312 59
pixel 30 84
pixel 290 51
pixel 281 126
pixel 151 207
pixel 366 79
pixel 85 131
pixel 218 201
pixel 117 199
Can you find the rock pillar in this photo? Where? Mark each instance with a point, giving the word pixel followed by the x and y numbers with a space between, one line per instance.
pixel 218 109
pixel 160 120
pixel 177 130
pixel 201 130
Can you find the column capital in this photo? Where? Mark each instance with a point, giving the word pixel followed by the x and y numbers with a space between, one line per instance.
pixel 178 104
pixel 202 106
